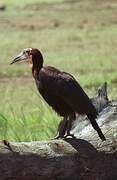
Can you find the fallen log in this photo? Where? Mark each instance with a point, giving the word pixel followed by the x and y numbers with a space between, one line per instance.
pixel 83 158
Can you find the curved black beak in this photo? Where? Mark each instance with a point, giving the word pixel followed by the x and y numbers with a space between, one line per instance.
pixel 20 57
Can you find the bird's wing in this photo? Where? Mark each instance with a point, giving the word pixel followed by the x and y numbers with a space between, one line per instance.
pixel 67 88
pixel 73 94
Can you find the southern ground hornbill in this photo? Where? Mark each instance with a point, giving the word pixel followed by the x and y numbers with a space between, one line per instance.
pixel 61 91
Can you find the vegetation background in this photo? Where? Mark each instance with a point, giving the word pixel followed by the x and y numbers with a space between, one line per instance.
pixel 77 36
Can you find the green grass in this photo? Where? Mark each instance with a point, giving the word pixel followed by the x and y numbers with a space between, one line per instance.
pixel 78 37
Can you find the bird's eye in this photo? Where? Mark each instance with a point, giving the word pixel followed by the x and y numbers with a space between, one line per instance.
pixel 28 51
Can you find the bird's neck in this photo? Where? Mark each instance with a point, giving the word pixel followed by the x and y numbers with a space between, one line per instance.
pixel 37 65
pixel 35 72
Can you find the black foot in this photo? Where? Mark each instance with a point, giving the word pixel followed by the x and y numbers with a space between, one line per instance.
pixel 71 135
pixel 58 137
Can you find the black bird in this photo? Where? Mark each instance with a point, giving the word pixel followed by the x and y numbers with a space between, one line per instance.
pixel 61 91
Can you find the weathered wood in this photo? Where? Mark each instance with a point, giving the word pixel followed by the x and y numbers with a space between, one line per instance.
pixel 84 158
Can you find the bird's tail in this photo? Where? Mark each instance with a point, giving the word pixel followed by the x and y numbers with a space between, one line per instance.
pixel 96 127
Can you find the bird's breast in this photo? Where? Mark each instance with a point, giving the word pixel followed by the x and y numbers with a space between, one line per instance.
pixel 56 102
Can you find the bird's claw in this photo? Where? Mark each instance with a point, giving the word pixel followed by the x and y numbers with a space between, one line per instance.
pixel 58 137
pixel 71 135
pixel 64 137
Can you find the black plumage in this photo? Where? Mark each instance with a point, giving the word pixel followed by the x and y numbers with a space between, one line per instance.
pixel 62 92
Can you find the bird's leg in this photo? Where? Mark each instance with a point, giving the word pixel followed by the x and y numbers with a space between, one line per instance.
pixel 62 128
pixel 71 118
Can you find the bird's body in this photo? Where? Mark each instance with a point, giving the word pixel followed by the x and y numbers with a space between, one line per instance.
pixel 63 93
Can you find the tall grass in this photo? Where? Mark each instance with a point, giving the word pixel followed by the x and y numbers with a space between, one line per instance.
pixel 29 127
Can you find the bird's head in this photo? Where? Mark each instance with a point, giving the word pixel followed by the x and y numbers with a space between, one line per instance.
pixel 32 55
